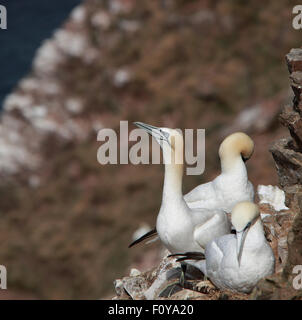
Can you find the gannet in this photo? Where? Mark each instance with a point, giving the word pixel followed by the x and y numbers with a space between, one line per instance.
pixel 232 185
pixel 179 227
pixel 237 262
pixel 227 189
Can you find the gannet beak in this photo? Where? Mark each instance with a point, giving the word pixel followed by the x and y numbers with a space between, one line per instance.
pixel 240 243
pixel 155 132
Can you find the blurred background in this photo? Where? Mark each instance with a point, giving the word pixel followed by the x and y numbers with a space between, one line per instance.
pixel 70 68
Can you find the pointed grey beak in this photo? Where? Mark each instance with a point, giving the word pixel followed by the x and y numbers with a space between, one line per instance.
pixel 240 243
pixel 155 132
pixel 241 237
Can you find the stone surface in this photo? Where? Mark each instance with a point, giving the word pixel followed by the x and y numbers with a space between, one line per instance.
pixel 288 158
pixel 273 196
pixel 294 60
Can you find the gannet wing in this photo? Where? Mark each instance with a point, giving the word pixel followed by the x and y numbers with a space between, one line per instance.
pixel 216 226
pixel 199 193
pixel 203 196
pixel 214 256
pixel 151 234
pixel 219 250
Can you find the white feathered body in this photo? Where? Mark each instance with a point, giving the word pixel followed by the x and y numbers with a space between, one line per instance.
pixel 221 264
pixel 182 229
pixel 224 192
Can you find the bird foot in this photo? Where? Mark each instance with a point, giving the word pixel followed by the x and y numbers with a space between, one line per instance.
pixel 205 286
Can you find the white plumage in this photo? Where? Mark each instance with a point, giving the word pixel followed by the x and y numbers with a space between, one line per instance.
pixel 179 227
pixel 232 185
pixel 227 189
pixel 238 262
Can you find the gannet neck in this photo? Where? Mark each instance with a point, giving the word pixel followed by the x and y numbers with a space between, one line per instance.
pixel 173 182
pixel 171 143
pixel 232 164
pixel 233 149
pixel 173 173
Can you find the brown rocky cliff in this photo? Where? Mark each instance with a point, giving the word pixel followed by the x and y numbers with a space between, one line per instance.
pixel 287 154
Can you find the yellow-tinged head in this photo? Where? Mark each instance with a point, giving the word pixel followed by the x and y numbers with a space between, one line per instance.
pixel 168 139
pixel 243 214
pixel 236 144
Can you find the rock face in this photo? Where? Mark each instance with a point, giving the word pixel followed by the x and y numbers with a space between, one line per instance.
pixel 287 154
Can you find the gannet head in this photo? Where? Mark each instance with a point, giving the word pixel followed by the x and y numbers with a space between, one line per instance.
pixel 168 139
pixel 243 216
pixel 236 144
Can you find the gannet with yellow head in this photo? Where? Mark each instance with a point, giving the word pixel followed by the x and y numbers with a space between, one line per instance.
pixel 232 185
pixel 179 227
pixel 238 262
pixel 227 189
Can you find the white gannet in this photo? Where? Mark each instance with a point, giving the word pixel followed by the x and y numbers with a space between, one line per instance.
pixel 180 228
pixel 227 189
pixel 237 262
pixel 232 185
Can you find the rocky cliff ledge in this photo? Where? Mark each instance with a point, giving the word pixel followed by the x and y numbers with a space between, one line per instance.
pixel 287 154
pixel 283 225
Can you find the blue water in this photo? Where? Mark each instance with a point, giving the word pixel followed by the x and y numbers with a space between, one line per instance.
pixel 28 23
